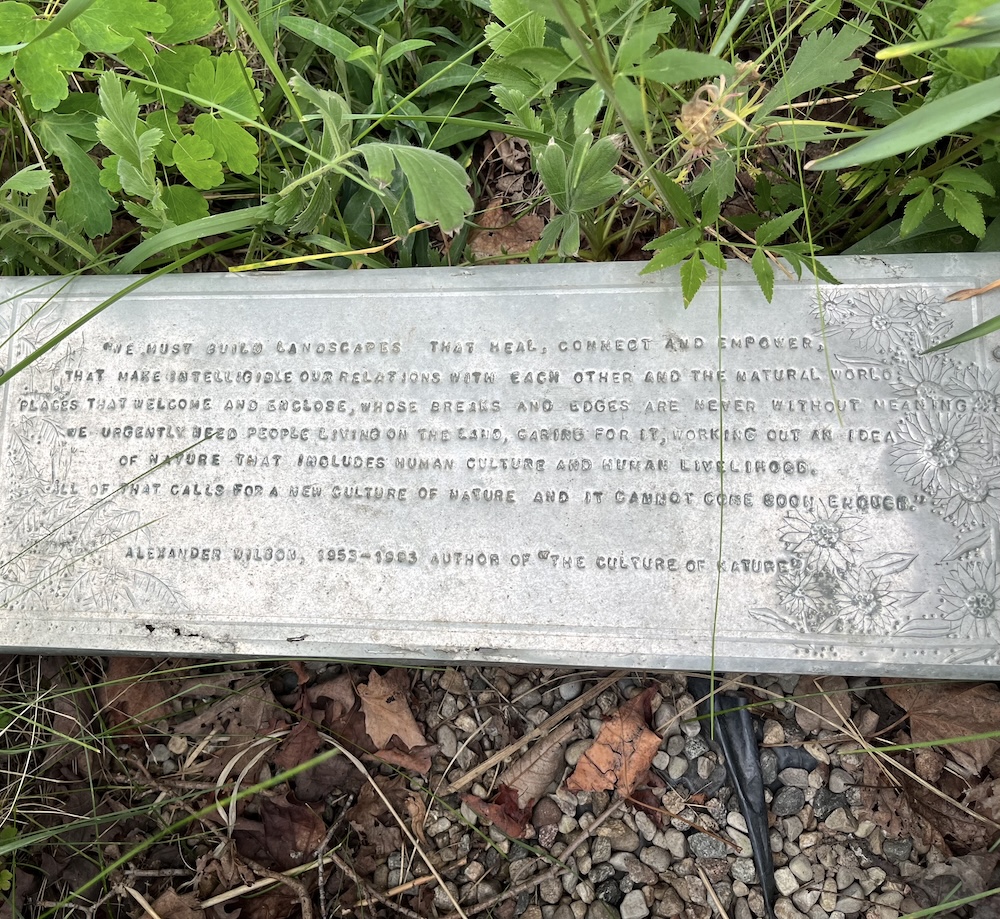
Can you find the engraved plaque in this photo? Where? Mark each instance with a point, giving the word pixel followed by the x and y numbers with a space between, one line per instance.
pixel 544 464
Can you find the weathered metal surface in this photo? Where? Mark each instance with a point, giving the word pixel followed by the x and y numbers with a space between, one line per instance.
pixel 554 464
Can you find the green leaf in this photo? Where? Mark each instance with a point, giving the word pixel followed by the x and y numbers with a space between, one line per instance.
pixel 41 67
pixel 523 28
pixel 643 36
pixel 225 82
pixel 915 211
pixel 678 202
pixel 192 19
pixel 569 241
pixel 770 230
pixel 693 274
pixel 184 204
pixel 965 209
pixel 977 331
pixel 28 180
pixel 677 65
pixel 121 131
pixel 932 121
pixel 822 59
pixel 595 181
pixel 403 47
pixel 173 67
pixel 341 46
pixel 915 185
pixel 764 272
pixel 586 107
pixel 16 22
pixel 193 157
pixel 966 179
pixel 550 162
pixel 85 204
pixel 672 247
pixel 711 252
pixel 232 143
pixel 436 182
pixel 110 26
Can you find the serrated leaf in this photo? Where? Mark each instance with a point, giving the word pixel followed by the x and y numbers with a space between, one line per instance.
pixel 711 252
pixel 28 180
pixel 711 206
pixel 121 131
pixel 172 68
pixel 764 272
pixel 643 36
pixel 523 27
pixel 677 65
pixel 436 182
pixel 225 83
pixel 770 230
pixel 693 273
pixel 110 26
pixel 233 144
pixel 915 211
pixel 966 179
pixel 822 59
pixel 890 563
pixel 42 65
pixel 933 120
pixel 677 200
pixel 965 209
pixel 192 19
pixel 193 157
pixel 914 185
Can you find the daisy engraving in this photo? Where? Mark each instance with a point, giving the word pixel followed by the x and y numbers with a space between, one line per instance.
pixel 938 451
pixel 834 307
pixel 864 604
pixel 927 378
pixel 824 538
pixel 972 504
pixel 877 323
pixel 921 307
pixel 971 601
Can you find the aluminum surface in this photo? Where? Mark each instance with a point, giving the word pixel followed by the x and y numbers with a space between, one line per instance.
pixel 518 463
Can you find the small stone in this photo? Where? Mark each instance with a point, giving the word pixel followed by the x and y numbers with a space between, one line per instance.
pixel 801 867
pixel 810 839
pixel 825 802
pixel 600 873
pixel 658 859
pixel 568 825
pixel 705 767
pixel 570 689
pixel 585 891
pixel 638 872
pixel 705 846
pixel 799 778
pixel 677 768
pixel 851 900
pixel 609 892
pixel 774 733
pixel 546 813
pixel 768 766
pixel 644 824
pixel 441 898
pixel 743 910
pixel 661 761
pixel 675 744
pixel 486 890
pixel 784 909
pixel 550 890
pixel 842 821
pixel 600 849
pixel 805 899
pixel 675 842
pixel 790 800
pixel 621 837
pixel 576 749
pixel 447 741
pixel 665 720
pixel 737 821
pixel 634 906
pixel 695 747
pixel 897 850
pixel 743 869
pixel 785 881
pixel 743 841
pixel 840 779
pixel 600 909
pixel 563 911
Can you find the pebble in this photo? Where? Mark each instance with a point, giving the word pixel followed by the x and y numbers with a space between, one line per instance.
pixel 550 890
pixel 675 842
pixel 801 867
pixel 784 909
pixel 656 858
pixel 634 906
pixel 897 850
pixel 678 766
pixel 600 849
pixel 841 821
pixel 786 882
pixel 621 836
pixel 790 800
pixel 768 767
pixel 825 802
pixel 570 689
pixel 638 872
pixel 840 779
pixel 743 841
pixel 799 778
pixel 744 870
pixel 704 846
pixel 576 749
pixel 665 720
pixel 774 733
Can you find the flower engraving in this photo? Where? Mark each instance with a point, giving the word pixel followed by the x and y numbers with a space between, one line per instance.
pixel 927 378
pixel 864 603
pixel 938 451
pixel 970 601
pixel 973 503
pixel 921 307
pixel 877 323
pixel 825 538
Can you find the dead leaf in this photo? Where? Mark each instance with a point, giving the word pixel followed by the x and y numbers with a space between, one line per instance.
pixel 418 761
pixel 971 292
pixel 293 831
pixel 503 812
pixel 622 753
pixel 370 810
pixel 822 704
pixel 941 710
pixel 502 235
pixel 134 695
pixel 387 713
pixel 172 905
pixel 299 745
pixel 417 810
pixel 532 774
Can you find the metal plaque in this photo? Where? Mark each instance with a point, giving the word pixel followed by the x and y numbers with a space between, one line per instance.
pixel 543 464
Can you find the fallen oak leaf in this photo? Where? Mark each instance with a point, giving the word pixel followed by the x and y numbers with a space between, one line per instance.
pixel 504 812
pixel 532 774
pixel 622 753
pixel 387 713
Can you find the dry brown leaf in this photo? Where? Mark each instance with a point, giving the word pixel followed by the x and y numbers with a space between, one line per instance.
pixel 293 831
pixel 418 761
pixel 532 774
pixel 941 710
pixel 387 713
pixel 417 811
pixel 500 235
pixel 503 812
pixel 299 745
pixel 133 695
pixel 822 704
pixel 172 905
pixel 622 753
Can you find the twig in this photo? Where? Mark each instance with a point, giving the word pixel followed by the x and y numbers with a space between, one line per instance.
pixel 416 882
pixel 711 892
pixel 370 892
pixel 143 902
pixel 244 889
pixel 305 903
pixel 544 728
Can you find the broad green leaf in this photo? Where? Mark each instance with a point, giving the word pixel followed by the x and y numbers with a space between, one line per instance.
pixel 933 120
pixel 595 181
pixel 172 67
pixel 550 162
pixel 169 127
pixel 226 83
pixel 403 47
pixel 914 185
pixel 569 241
pixel 41 67
pixel 677 65
pixel 437 75
pixel 85 204
pixel 381 163
pixel 764 272
pixel 523 28
pixel 915 211
pixel 628 98
pixel 678 202
pixel 549 65
pixel 110 26
pixel 770 230
pixel 16 27
pixel 193 157
pixel 333 110
pixel 825 12
pixel 585 109
pixel 192 19
pixel 672 247
pixel 184 204
pixel 693 274
pixel 711 206
pixel 233 144
pixel 642 36
pixel 711 252
pixel 28 180
pixel 341 46
pixel 821 59
pixel 965 209
pixel 436 182
pixel 966 179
